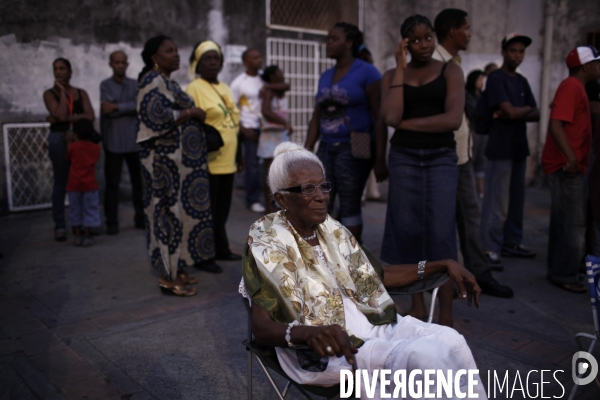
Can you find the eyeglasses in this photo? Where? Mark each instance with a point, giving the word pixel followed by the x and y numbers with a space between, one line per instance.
pixel 309 188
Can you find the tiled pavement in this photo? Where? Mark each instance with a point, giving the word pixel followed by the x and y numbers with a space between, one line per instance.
pixel 91 323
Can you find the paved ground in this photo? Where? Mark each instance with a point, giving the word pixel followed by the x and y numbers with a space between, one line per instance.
pixel 91 322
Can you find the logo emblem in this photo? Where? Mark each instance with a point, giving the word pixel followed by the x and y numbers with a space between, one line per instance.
pixel 587 362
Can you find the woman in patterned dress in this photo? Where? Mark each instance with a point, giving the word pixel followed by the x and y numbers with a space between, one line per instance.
pixel 174 170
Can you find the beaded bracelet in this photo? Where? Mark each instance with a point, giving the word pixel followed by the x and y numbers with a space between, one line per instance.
pixel 288 337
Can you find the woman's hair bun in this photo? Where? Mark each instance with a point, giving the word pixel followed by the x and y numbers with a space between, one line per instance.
pixel 286 147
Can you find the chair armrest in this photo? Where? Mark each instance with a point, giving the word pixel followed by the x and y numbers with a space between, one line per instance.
pixel 428 283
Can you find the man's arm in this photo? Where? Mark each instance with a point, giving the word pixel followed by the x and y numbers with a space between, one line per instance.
pixel 560 137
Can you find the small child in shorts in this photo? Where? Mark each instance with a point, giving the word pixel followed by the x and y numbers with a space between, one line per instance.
pixel 82 187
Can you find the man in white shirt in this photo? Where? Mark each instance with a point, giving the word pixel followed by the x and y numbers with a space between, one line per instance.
pixel 453 33
pixel 246 91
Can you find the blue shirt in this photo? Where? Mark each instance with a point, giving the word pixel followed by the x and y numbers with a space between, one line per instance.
pixel 346 102
pixel 119 128
pixel 508 138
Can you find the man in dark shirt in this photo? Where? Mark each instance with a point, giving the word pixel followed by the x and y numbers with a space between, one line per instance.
pixel 118 122
pixel 509 95
pixel 452 29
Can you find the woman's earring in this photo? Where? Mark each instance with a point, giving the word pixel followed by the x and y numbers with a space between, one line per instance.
pixel 156 67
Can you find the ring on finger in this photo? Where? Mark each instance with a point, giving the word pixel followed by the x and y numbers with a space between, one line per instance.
pixel 329 350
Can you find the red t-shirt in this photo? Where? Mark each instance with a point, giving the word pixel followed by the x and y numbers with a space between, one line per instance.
pixel 571 106
pixel 82 175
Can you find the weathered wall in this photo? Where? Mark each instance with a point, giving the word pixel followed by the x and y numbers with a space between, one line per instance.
pixel 35 32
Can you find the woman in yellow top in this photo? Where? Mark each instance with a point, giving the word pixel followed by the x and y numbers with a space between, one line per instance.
pixel 216 99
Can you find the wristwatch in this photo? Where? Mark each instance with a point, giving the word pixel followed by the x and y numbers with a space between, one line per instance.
pixel 421 269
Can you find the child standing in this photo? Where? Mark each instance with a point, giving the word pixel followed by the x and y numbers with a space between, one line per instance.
pixel 82 186
pixel 275 124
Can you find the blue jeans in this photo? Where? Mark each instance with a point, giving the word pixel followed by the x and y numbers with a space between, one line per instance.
pixel 348 176
pixel 251 171
pixel 503 203
pixel 566 243
pixel 421 215
pixel 84 210
pixel 57 150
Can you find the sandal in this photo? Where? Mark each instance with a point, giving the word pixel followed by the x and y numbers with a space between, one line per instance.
pixel 571 287
pixel 186 278
pixel 177 290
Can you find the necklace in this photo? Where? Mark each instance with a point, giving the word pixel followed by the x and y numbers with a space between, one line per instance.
pixel 314 235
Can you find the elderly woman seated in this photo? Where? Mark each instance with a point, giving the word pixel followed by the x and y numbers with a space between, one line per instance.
pixel 310 283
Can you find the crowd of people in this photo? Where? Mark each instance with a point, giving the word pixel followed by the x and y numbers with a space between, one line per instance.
pixel 456 161
pixel 456 168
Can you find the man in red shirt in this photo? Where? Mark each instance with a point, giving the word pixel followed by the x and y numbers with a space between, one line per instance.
pixel 565 160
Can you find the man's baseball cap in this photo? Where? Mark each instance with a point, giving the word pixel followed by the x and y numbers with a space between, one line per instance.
pixel 582 55
pixel 515 37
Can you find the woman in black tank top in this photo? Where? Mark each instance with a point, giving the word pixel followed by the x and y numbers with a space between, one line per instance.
pixel 424 101
pixel 66 104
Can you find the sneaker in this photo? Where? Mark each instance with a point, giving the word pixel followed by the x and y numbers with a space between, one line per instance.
pixel 516 250
pixel 257 208
pixel 87 242
pixel 78 241
pixel 494 259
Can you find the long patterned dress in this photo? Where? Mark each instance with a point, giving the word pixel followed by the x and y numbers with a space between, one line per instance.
pixel 175 177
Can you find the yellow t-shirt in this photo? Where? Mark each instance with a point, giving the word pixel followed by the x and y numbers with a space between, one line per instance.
pixel 222 113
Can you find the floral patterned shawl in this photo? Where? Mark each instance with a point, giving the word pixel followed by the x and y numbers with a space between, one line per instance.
pixel 282 274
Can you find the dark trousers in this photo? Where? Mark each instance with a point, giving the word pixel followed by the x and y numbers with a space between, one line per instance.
pixel 113 164
pixel 503 203
pixel 566 242
pixel 57 151
pixel 221 191
pixel 468 218
pixel 251 171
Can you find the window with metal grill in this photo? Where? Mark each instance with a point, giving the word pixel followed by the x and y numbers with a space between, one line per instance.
pixel 313 16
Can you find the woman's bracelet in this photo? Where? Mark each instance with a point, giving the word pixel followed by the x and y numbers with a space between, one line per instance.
pixel 395 86
pixel 288 337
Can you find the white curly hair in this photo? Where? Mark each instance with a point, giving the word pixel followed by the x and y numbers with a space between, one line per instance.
pixel 287 156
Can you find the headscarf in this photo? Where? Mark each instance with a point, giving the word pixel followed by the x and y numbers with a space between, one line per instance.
pixel 202 48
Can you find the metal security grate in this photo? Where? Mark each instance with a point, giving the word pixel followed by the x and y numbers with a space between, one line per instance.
pixel 316 16
pixel 302 62
pixel 28 169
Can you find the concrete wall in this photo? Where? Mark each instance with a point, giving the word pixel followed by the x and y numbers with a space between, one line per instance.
pixel 35 32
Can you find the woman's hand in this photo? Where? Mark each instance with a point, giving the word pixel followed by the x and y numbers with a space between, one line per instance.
pixel 197 114
pixel 60 87
pixel 249 134
pixel 400 53
pixel 319 338
pixel 467 284
pixel 380 170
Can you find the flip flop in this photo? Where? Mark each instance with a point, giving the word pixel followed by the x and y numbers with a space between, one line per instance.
pixel 571 287
pixel 177 290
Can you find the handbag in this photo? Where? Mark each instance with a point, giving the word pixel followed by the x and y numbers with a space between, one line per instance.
pixel 360 143
pixel 214 140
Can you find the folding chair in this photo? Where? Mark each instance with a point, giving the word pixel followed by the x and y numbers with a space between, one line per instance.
pixel 267 358
pixel 592 267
